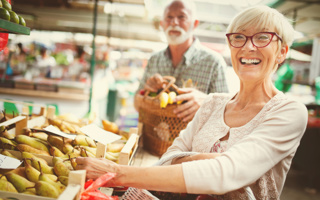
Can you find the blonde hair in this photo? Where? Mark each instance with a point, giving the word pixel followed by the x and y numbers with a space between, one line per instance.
pixel 263 17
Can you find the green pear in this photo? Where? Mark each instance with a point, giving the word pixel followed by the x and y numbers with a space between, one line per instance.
pixel 31 173
pixel 43 177
pixel 34 162
pixel 19 182
pixel 46 189
pixel 64 180
pixel 61 169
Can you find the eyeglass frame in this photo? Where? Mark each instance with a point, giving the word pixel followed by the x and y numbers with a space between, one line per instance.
pixel 247 37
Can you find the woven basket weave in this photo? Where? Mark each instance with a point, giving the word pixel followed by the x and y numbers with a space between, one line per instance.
pixel 160 125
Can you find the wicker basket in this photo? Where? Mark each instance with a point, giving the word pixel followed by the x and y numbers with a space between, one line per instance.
pixel 160 125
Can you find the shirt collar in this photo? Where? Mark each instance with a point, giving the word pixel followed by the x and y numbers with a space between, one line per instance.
pixel 189 54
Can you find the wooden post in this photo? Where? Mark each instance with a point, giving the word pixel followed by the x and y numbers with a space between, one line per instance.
pixel 101 150
pixel 51 111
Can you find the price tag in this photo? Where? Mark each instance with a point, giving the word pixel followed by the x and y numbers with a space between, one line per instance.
pixel 56 131
pixel 99 134
pixel 8 162
pixel 106 190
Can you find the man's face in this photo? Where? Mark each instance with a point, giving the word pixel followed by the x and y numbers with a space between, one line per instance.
pixel 177 23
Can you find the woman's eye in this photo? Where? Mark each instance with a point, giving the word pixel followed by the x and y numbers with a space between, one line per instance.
pixel 239 37
pixel 263 37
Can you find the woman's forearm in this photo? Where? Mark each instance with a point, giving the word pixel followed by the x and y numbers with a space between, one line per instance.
pixel 201 156
pixel 164 178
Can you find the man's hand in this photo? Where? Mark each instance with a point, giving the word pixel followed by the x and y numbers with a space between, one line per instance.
pixel 154 83
pixel 194 99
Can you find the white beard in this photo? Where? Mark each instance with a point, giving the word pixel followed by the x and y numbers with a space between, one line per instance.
pixel 174 39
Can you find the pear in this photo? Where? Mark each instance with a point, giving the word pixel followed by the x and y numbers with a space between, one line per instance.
pixel 19 182
pixel 7 144
pixel 6 134
pixel 20 171
pixel 34 162
pixel 33 174
pixel 40 135
pixel 83 140
pixel 85 153
pixel 46 189
pixel 33 142
pixel 54 151
pixel 58 142
pixel 64 180
pixel 7 186
pixel 61 169
pixel 90 149
pixel 7 153
pixel 67 148
pixel 115 147
pixel 30 149
pixel 43 177
pixel 30 191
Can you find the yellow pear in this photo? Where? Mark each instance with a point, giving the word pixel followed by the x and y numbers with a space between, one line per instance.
pixel 19 182
pixel 7 186
pixel 45 189
pixel 33 142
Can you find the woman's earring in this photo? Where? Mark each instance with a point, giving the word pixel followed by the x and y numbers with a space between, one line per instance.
pixel 278 61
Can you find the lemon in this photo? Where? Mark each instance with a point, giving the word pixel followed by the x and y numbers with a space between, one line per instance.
pixel 22 21
pixel 6 5
pixel 172 96
pixel 164 97
pixel 14 17
pixel 4 14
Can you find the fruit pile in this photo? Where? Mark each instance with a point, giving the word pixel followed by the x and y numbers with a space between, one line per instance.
pixel 36 177
pixel 7 13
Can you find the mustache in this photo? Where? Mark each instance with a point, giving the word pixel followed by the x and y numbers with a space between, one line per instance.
pixel 175 28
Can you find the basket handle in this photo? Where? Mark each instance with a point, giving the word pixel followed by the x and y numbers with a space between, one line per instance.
pixel 169 81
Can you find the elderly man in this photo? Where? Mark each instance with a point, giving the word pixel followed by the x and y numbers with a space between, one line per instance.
pixel 185 58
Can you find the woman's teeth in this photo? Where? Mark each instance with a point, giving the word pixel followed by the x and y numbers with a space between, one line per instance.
pixel 249 61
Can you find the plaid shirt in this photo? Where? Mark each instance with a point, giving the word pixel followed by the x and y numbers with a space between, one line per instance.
pixel 202 65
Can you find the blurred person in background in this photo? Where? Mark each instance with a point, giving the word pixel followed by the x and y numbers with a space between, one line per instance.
pixel 184 58
pixel 45 62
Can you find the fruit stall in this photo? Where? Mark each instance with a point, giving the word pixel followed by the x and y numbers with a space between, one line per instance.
pixel 44 147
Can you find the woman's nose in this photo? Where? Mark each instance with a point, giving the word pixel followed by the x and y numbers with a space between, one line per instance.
pixel 249 44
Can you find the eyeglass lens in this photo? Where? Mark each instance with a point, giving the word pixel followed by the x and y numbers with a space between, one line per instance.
pixel 258 40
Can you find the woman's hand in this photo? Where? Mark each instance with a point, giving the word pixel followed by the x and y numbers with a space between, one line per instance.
pixel 194 99
pixel 200 156
pixel 96 167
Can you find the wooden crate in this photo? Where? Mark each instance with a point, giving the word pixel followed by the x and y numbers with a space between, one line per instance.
pixel 72 192
pixel 126 154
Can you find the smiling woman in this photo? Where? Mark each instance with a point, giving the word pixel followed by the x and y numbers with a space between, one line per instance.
pixel 236 144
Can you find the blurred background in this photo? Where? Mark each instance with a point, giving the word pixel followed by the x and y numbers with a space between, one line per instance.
pixel 86 57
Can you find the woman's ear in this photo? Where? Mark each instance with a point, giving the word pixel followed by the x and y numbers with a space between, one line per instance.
pixel 283 53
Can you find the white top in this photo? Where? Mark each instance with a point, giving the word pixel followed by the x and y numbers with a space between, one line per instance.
pixel 258 154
